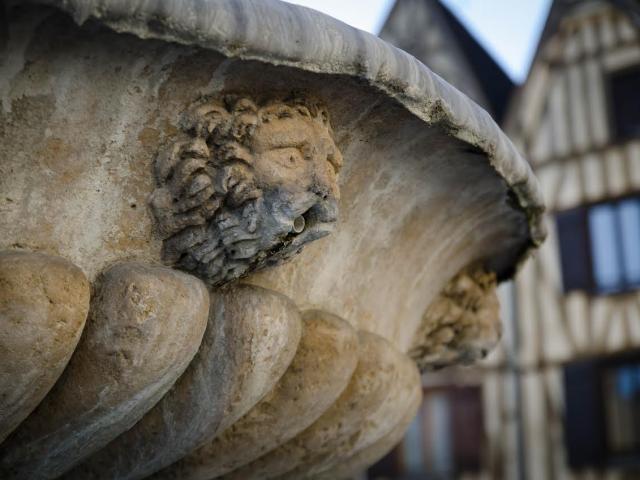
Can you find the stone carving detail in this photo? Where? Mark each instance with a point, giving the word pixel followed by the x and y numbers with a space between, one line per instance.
pixel 462 324
pixel 246 186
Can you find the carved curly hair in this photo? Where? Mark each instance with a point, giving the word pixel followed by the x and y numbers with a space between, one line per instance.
pixel 206 186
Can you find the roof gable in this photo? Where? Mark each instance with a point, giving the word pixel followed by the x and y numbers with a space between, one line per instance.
pixel 430 32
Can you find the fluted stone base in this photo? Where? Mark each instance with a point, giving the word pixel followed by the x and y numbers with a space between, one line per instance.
pixel 269 393
pixel 144 327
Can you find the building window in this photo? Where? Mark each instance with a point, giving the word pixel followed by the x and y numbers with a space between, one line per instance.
pixel 445 439
pixel 622 408
pixel 625 102
pixel 602 411
pixel 600 246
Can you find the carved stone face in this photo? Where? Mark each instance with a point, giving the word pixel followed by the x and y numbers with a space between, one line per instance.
pixel 462 325
pixel 248 189
pixel 296 159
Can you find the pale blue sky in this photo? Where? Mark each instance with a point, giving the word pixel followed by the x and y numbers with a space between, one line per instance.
pixel 508 29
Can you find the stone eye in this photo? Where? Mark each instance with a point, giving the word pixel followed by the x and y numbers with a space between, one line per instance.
pixel 335 159
pixel 289 157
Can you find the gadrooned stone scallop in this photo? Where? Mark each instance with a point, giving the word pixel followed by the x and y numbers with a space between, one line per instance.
pixel 403 395
pixel 359 461
pixel 251 338
pixel 325 360
pixel 44 302
pixel 381 369
pixel 145 325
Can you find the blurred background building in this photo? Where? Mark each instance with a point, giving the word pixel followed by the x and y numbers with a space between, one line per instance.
pixel 560 398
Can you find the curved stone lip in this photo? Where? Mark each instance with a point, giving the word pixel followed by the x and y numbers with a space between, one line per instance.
pixel 277 33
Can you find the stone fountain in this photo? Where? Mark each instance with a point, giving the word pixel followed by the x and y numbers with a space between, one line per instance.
pixel 232 232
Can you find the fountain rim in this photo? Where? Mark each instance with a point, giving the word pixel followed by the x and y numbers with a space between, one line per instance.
pixel 282 34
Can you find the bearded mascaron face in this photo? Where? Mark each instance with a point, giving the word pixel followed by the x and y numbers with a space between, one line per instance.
pixel 248 189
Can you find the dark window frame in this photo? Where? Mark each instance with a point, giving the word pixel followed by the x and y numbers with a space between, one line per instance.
pixel 459 398
pixel 590 286
pixel 587 442
pixel 615 134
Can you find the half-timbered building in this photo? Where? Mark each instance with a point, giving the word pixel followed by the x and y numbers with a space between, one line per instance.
pixel 560 398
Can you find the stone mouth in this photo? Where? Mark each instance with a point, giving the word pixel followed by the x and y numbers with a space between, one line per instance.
pixel 316 222
pixel 313 232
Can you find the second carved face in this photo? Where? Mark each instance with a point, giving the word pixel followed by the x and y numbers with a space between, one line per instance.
pixel 247 187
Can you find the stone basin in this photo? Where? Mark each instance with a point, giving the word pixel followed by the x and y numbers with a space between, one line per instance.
pixel 249 142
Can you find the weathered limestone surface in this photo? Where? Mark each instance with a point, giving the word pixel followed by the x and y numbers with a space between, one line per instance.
pixel 251 338
pixel 208 136
pixel 403 393
pixel 462 325
pixel 383 375
pixel 144 327
pixel 320 371
pixel 43 307
pixel 399 187
pixel 369 455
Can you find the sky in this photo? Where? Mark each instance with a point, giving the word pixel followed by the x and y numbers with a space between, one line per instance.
pixel 507 29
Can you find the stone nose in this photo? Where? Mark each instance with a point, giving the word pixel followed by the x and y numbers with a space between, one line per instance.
pixel 325 211
pixel 327 162
pixel 326 181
